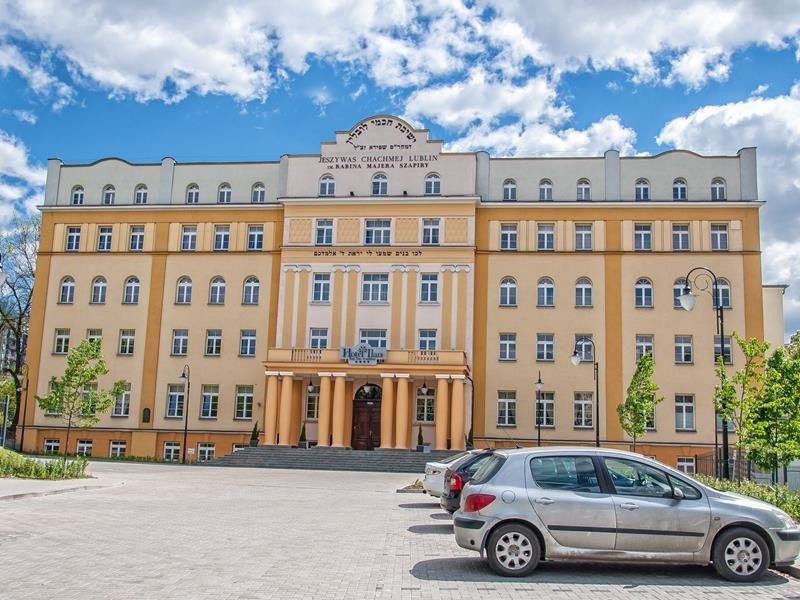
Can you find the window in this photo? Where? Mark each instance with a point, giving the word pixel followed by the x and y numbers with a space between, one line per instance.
pixel 433 185
pixel 582 409
pixel 224 194
pixel 429 288
pixel 584 348
pixel 565 473
pixel 321 291
pixel 318 337
pixel 176 393
pixel 238 447
pixel 67 292
pixel 430 232
pixel 52 445
pixel 506 409
pixel 650 420
pixel 73 239
pixel 94 334
pixel 546 410
pixel 584 190
pixel 718 189
pixel 77 195
pixel 140 194
pixel 643 237
pixel 380 185
pixel 312 402
pixel 247 342
pixel 425 407
pixel 122 403
pixel 427 339
pixel 216 291
pixel 83 447
pixel 255 237
pixel 642 189
pixel 718 349
pixel 104 233
pixel 109 194
pixel 378 232
pixel 683 349
pixel 509 190
pixel 375 287
pixel 126 342
pixel 88 396
pixel 632 478
pixel 508 346
pixel 258 195
pixel 61 344
pixel 251 290
pixel 374 337
pixel 545 236
pixel 643 293
pixel 545 347
pixel 677 292
pixel 685 464
pixel 131 293
pixel 680 237
pixel 684 412
pixel 136 239
pixel 583 236
pixel 244 402
pixel 545 190
pixel 209 401
pixel 545 292
pixel 723 296
pixel 508 292
pixel 719 237
pixel 183 292
pixel 117 448
pixel 327 186
pixel 192 194
pixel 583 292
pixel 172 451
pixel 324 233
pixel 508 236
pixel 213 342
pixel 180 342
pixel 189 238
pixel 644 345
pixel 222 237
pixel 679 189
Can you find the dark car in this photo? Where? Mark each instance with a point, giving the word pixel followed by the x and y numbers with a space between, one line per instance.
pixel 458 475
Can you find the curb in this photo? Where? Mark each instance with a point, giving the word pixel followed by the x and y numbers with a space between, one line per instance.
pixel 793 570
pixel 56 492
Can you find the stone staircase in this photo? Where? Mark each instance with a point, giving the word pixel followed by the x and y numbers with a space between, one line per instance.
pixel 331 459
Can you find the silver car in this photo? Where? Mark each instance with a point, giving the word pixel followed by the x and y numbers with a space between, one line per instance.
pixel 433 483
pixel 527 505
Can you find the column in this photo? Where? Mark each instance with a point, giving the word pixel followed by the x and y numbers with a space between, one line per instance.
pixel 324 422
pixel 387 411
pixel 442 412
pixel 457 419
pixel 401 430
pixel 271 408
pixel 338 409
pixel 285 418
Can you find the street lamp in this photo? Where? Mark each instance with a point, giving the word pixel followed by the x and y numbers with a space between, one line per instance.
pixel 185 380
pixel 576 359
pixel 539 415
pixel 688 300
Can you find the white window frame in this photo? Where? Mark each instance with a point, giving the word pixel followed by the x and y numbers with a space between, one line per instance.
pixel 255 238
pixel 686 465
pixel 243 409
pixel 718 189
pixel 430 232
pixel 321 288
pixel 131 290
pixel 222 238
pixel 685 417
pixel 192 194
pixel 327 185
pixel 509 190
pixel 425 406
pixel 213 345
pixel 433 184
pixel 188 238
pixel 176 400
pixel 681 240
pixel 583 190
pixel 508 236
pixel 644 344
pixel 136 238
pixel 380 184
pixel 61 341
pixel 109 195
pixel 426 339
pixel 323 232
pixel 183 290
pixel 377 232
pixel 545 347
pixel 643 237
pixel 224 194
pixel 545 190
pixel 545 293
pixel 258 193
pixel 545 409
pixel 506 408
pixel 583 410
pixel 117 448
pixel 643 293
pixel 642 189
pixel 583 292
pixel 318 338
pixel 508 291
pixel 180 342
pixel 105 236
pixel 122 403
pixel 247 342
pixel 545 237
pixel 680 190
pixel 508 347
pixel 429 288
pixel 374 337
pixel 172 451
pixel 140 194
pixel 583 237
pixel 251 291
pixel 682 343
pixel 312 402
pixel 209 401
pixel 127 342
pixel 375 288
pixel 217 290
pixel 719 237
pixel 73 239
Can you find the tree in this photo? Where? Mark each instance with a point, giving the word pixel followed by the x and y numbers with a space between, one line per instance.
pixel 793 347
pixel 75 395
pixel 640 401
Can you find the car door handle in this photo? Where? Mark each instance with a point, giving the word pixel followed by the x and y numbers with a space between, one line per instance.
pixel 544 501
pixel 629 506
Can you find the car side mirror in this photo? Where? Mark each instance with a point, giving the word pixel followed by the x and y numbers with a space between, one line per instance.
pixel 677 494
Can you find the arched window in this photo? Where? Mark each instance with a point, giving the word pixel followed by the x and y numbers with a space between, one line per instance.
pixel 508 292
pixel 584 190
pixel 109 194
pixel 509 190
pixel 583 292
pixel 718 189
pixel 723 298
pixel 131 293
pixel 77 194
pixel 66 294
pixel 140 194
pixel 183 291
pixel 545 292
pixel 643 293
pixel 380 185
pixel 433 185
pixel 677 292
pixel 642 189
pixel 193 194
pixel 99 288
pixel 251 290
pixel 327 186
pixel 259 193
pixel 545 190
pixel 224 194
pixel 679 189
pixel 216 292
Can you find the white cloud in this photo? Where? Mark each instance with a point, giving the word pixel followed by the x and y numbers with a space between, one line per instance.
pixel 321 97
pixel 760 90
pixel 21 180
pixel 37 76
pixel 358 92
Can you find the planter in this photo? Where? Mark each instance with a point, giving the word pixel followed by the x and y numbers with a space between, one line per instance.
pixel 254 443
pixel 426 448
pixel 304 444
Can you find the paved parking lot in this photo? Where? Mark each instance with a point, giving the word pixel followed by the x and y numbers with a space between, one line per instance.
pixel 163 531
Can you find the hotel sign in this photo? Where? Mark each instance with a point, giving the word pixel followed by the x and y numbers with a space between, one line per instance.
pixel 362 354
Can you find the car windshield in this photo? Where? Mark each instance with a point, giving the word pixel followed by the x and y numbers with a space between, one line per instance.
pixel 488 469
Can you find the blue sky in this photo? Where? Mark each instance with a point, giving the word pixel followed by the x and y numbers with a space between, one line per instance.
pixel 254 80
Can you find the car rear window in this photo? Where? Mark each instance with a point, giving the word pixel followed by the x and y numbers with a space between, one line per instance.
pixel 568 473
pixel 491 465
pixel 450 460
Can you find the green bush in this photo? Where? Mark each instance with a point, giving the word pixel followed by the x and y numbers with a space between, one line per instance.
pixel 780 495
pixel 16 465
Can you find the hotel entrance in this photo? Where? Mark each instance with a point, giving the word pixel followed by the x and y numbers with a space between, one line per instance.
pixel 367 417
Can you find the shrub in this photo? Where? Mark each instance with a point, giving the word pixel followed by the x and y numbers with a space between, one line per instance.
pixel 16 465
pixel 780 495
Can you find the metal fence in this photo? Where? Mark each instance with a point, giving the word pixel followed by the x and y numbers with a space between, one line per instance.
pixel 711 464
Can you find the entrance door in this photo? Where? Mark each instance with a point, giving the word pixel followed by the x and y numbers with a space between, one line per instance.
pixel 367 418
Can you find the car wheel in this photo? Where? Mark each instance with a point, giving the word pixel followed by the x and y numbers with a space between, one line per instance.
pixel 513 550
pixel 741 555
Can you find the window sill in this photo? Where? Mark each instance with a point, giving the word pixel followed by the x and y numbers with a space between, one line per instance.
pixel 119 355
pixel 584 306
pixel 429 303
pixel 545 360
pixel 684 364
pixel 545 306
pixel 686 430
pixel 212 355
pixel 247 355
pixel 366 303
pixel 583 427
pixel 507 360
pixel 242 418
pixel 179 355
pixel 320 303
pixel 174 418
pixel 644 307
pixel 507 306
pixel 424 423
pixel 499 426
pixel 120 416
pixel 208 418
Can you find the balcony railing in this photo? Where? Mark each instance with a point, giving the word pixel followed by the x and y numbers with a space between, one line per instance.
pixel 398 357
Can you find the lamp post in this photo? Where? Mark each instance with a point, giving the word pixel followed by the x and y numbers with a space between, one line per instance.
pixel 539 413
pixel 185 380
pixel 688 301
pixel 576 360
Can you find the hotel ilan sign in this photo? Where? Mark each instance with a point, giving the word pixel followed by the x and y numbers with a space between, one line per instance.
pixel 362 354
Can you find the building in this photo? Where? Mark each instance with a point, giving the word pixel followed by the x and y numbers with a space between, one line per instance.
pixel 384 287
